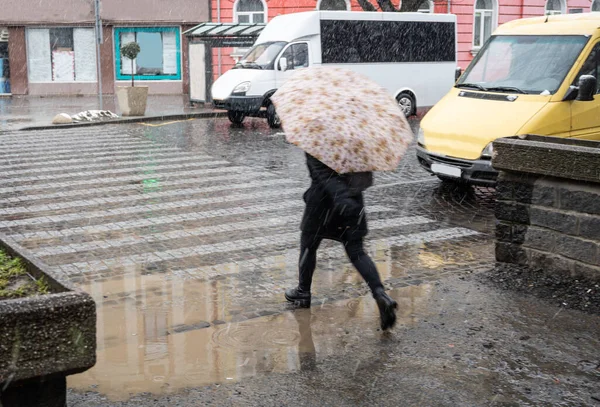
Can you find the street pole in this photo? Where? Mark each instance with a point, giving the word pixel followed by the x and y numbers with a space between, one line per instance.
pixel 219 50
pixel 98 44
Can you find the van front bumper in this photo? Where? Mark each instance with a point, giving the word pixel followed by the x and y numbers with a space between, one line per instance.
pixel 475 172
pixel 245 104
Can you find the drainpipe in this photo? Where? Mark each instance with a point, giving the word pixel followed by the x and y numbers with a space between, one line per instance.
pixel 449 8
pixel 99 41
pixel 522 8
pixel 219 50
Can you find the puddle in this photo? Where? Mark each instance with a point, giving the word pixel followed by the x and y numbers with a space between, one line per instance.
pixel 163 332
pixel 137 354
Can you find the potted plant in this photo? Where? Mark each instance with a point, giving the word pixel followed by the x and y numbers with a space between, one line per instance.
pixel 132 100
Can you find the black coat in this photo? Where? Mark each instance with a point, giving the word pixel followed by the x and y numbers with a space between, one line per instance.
pixel 334 203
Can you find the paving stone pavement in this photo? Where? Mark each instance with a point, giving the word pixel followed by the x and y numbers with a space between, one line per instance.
pixel 195 224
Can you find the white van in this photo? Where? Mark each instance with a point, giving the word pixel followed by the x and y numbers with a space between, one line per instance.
pixel 412 55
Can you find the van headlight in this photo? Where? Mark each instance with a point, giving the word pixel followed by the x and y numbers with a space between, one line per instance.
pixel 488 151
pixel 421 137
pixel 242 88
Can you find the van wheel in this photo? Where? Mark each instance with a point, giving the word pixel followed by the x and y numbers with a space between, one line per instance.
pixel 407 103
pixel 272 117
pixel 235 117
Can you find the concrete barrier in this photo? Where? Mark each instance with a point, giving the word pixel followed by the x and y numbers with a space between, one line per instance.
pixel 548 204
pixel 43 338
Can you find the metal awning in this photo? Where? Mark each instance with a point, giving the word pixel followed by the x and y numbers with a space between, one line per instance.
pixel 225 34
pixel 3 34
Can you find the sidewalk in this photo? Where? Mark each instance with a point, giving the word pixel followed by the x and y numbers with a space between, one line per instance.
pixel 20 112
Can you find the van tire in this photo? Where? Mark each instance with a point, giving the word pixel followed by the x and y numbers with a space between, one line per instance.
pixel 272 117
pixel 407 103
pixel 236 117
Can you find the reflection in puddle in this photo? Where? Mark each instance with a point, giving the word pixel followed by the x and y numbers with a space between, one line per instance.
pixel 147 359
pixel 159 333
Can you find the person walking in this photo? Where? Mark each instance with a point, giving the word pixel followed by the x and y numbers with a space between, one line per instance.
pixel 348 126
pixel 335 210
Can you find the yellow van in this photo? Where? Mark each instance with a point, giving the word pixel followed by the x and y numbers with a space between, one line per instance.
pixel 533 76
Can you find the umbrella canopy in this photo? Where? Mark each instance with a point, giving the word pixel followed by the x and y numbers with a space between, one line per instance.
pixel 343 119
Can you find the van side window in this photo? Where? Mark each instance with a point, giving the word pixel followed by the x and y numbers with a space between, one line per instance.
pixel 297 56
pixel 591 66
pixel 300 55
pixel 367 42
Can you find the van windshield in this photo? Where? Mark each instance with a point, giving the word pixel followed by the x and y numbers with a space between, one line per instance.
pixel 523 64
pixel 261 56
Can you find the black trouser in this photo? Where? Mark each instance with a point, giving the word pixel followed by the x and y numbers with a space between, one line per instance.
pixel 309 244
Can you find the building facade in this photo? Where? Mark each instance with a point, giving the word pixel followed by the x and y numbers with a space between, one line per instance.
pixel 476 19
pixel 49 47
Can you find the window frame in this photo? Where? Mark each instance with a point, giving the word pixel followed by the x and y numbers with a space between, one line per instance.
pixel 237 13
pixel 595 47
pixel 348 6
pixel 118 57
pixel 481 12
pixel 563 8
pixel 48 28
pixel 5 67
pixel 430 9
pixel 239 52
pixel 290 47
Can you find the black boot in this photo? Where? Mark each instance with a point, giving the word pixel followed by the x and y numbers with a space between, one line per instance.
pixel 298 296
pixel 387 308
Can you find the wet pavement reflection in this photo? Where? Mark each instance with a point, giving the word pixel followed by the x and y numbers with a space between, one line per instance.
pixel 186 235
pixel 142 354
pixel 160 334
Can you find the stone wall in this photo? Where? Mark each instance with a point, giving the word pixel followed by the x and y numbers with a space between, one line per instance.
pixel 548 204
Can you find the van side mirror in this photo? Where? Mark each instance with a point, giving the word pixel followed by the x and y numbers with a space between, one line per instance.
pixel 587 88
pixel 283 64
pixel 457 73
pixel 571 94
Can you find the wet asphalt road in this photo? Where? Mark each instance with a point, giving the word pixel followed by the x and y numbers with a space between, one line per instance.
pixel 185 234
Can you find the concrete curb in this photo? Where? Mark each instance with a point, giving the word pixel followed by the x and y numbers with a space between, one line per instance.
pixel 44 338
pixel 183 116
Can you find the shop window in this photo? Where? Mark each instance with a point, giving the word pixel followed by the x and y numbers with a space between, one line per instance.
pixel 61 55
pixel 159 57
pixel 4 65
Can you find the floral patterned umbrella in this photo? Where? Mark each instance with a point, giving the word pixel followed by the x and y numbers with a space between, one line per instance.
pixel 343 119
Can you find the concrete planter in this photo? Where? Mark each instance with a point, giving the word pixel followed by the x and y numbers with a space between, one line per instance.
pixel 43 339
pixel 548 204
pixel 132 100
